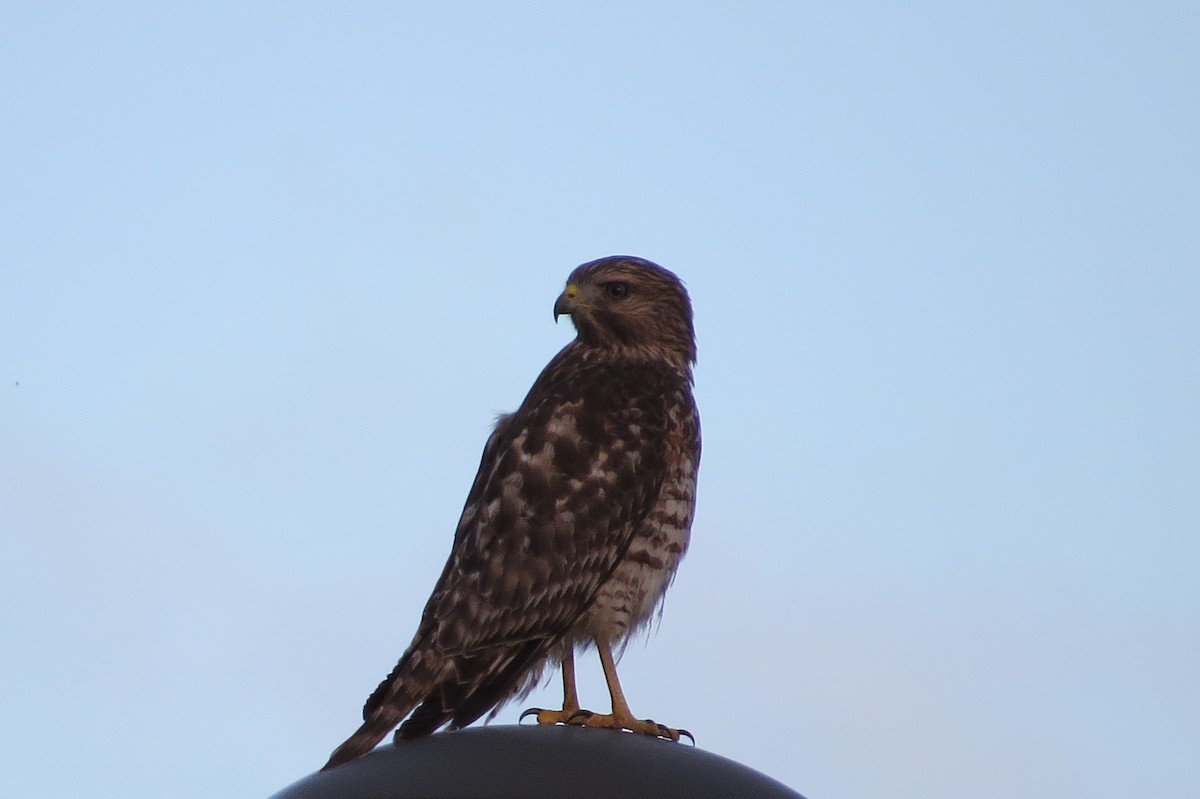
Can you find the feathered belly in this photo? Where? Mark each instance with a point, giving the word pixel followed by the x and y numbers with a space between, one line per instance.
pixel 634 591
pixel 629 598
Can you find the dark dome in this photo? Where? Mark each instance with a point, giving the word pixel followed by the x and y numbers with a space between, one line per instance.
pixel 533 762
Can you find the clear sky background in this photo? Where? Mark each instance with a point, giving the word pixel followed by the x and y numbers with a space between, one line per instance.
pixel 268 271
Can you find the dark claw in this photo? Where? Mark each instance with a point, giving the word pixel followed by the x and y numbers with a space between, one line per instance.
pixel 580 714
pixel 533 711
pixel 690 737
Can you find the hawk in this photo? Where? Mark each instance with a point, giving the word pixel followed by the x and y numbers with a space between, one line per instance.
pixel 575 524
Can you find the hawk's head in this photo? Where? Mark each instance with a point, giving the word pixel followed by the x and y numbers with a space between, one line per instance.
pixel 623 302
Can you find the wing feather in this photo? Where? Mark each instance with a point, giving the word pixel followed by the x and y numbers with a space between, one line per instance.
pixel 571 475
pixel 562 486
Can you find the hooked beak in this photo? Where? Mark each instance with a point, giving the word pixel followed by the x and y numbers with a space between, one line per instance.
pixel 565 304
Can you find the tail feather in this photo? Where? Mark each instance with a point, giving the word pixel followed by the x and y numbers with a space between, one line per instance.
pixel 458 690
pixel 367 736
pixel 499 684
pixel 427 718
pixel 472 686
pixel 399 693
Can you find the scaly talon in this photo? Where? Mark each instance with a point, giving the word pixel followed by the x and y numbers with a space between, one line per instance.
pixel 621 717
pixel 579 718
pixel 608 721
pixel 544 716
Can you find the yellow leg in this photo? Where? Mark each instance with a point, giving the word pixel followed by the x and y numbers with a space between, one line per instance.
pixel 620 707
pixel 570 695
pixel 622 717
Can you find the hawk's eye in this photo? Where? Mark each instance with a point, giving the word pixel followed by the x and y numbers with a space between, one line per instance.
pixel 616 291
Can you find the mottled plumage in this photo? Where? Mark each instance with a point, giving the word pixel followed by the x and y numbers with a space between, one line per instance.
pixel 576 521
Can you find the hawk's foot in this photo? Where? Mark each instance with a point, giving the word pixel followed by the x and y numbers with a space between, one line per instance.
pixel 550 716
pixel 586 718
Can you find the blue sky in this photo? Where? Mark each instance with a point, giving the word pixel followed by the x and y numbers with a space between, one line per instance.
pixel 269 272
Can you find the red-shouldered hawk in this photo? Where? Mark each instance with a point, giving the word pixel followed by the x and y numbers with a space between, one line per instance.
pixel 575 524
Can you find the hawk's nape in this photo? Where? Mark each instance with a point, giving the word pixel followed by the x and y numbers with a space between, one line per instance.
pixel 576 521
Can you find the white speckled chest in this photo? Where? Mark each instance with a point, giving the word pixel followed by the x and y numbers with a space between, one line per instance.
pixel 628 599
